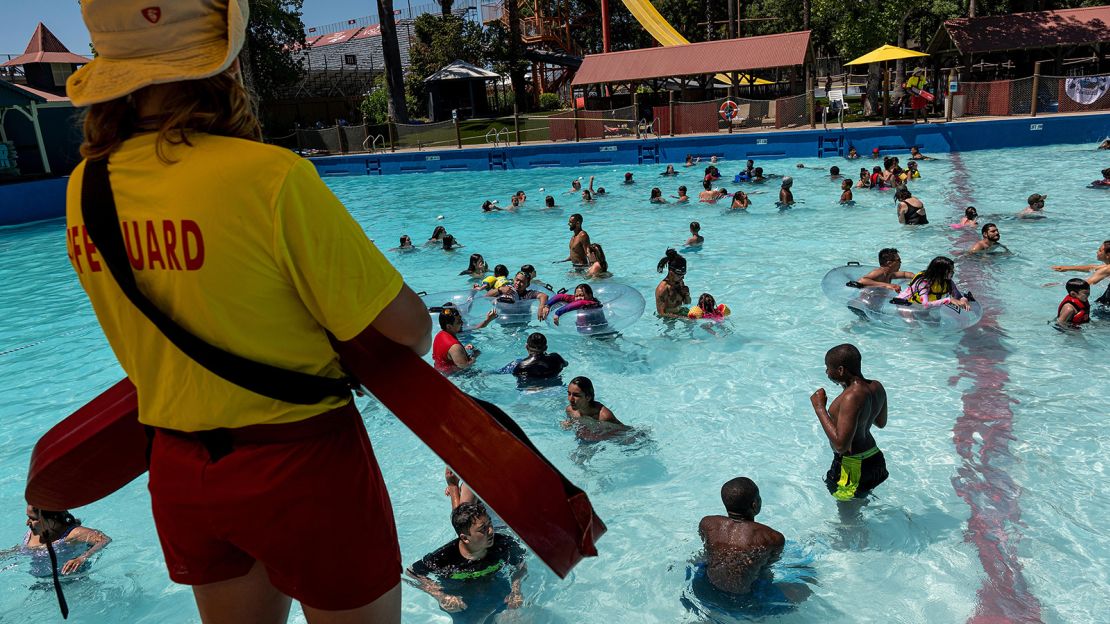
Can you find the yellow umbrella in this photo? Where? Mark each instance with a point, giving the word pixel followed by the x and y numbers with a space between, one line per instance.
pixel 882 55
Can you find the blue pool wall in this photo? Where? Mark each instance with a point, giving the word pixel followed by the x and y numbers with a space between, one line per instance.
pixel 45 199
pixel 796 144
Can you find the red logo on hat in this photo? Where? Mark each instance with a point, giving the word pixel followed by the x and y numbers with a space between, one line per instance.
pixel 152 14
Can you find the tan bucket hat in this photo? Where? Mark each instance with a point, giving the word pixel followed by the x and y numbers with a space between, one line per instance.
pixel 139 44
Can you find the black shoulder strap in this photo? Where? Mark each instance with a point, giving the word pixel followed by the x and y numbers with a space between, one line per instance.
pixel 98 207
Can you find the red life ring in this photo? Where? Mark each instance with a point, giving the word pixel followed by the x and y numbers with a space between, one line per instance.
pixel 728 110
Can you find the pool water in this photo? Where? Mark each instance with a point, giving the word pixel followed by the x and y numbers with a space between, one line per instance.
pixel 995 443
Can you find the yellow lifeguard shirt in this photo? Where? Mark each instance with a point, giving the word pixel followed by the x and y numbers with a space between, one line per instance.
pixel 243 245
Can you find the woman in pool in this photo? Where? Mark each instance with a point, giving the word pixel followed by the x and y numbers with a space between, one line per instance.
pixel 864 179
pixel 696 239
pixel 285 269
pixel 657 196
pixel 73 544
pixel 490 206
pixel 670 171
pixel 1104 183
pixel 438 234
pixel 740 201
pixel 450 244
pixel 405 244
pixel 911 211
pixel 691 161
pixel 708 309
pixel 582 299
pixel 595 257
pixel 477 267
pixel 970 219
pixel 584 406
pixel 672 294
pixel 915 154
pixel 934 286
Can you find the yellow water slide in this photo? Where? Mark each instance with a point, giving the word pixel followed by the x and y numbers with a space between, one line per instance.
pixel 645 13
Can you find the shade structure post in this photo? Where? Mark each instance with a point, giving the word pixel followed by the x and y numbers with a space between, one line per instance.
pixel 951 96
pixel 886 93
pixel 458 134
pixel 389 130
pixel 670 111
pixel 38 138
pixel 810 100
pixel 1036 87
pixel 636 110
pixel 516 120
pixel 575 100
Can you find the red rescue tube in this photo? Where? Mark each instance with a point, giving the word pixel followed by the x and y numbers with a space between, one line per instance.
pixel 92 453
pixel 102 447
pixel 923 94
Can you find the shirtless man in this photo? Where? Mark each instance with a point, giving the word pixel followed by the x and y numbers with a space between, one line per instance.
pixel 579 241
pixel 1035 209
pixel 858 465
pixel 737 548
pixel 708 195
pixel 1099 272
pixel 990 239
pixel 786 196
pixel 672 293
pixel 890 269
pixel 682 197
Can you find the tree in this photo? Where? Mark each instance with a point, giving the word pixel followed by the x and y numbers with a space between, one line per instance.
pixel 516 53
pixel 439 40
pixel 394 72
pixel 274 31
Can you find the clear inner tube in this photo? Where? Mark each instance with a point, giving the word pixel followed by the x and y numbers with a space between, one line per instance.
pixel 841 285
pixel 474 305
pixel 621 306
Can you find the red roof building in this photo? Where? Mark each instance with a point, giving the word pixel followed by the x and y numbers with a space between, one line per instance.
pixel 45 64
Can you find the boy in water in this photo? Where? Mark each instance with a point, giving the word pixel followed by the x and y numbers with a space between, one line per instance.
pixel 539 365
pixel 786 197
pixel 845 191
pixel 738 548
pixel 890 269
pixel 696 238
pixel 1075 309
pixel 1035 209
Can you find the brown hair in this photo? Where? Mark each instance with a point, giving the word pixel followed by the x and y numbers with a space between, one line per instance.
pixel 218 105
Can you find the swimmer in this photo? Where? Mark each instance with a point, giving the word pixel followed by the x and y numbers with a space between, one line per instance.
pixel 405 244
pixel 971 217
pixel 672 294
pixel 864 179
pixel 582 299
pixel 438 235
pixel 682 197
pixel 708 194
pixel 521 197
pixel 575 186
pixel 595 257
pixel 713 159
pixel 1099 272
pixel 549 202
pixel 670 171
pixel 477 267
pixel 737 548
pixel 476 556
pixel 539 364
pixel 72 543
pixel 1075 309
pixel 628 178
pixel 712 173
pixel 876 180
pixel 915 154
pixel 696 239
pixel 749 168
pixel 519 290
pixel 579 241
pixel 530 271
pixel 834 172
pixel 583 406
pixel 600 191
pixel 514 202
pixel 934 286
pixel 990 239
pixel 786 197
pixel 845 191
pixel 450 244
pixel 875 154
pixel 708 309
pixel 890 269
pixel 852 153
pixel 1104 182
pixel 493 282
pixel 1105 145
pixel 448 354
pixel 911 210
pixel 757 175
pixel 912 172
pixel 1035 209
pixel 656 196
pixel 740 201
pixel 691 161
pixel 858 465
pixel 588 193
pixel 490 206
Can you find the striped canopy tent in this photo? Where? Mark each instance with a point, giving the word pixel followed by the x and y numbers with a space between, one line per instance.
pixel 885 54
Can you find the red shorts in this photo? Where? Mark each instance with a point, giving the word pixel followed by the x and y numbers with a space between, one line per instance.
pixel 305 499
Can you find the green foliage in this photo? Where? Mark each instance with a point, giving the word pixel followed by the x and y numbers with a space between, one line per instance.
pixel 375 106
pixel 437 41
pixel 550 101
pixel 273 31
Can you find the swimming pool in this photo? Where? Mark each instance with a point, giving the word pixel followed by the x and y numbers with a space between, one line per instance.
pixel 995 443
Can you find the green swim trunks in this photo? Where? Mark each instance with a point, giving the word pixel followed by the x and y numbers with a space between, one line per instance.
pixel 853 476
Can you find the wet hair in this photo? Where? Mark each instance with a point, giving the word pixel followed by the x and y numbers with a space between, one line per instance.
pixel 655 193
pixel 887 254
pixel 405 238
pixel 599 253
pixel 758 171
pixel 448 315
pixel 487 206
pixel 475 259
pixel 834 170
pixel 787 182
pixel 1077 284
pixel 586 195
pixel 749 164
pixel 466 514
pixel 739 494
pixel 888 162
pixel 938 269
pixel 682 189
pixel 852 148
pixel 600 190
pixel 527 278
pixel 738 195
pixel 863 173
pixel 549 201
pixel 1106 172
pixel 589 291
pixel 876 169
pixel 706 184
pixel 500 271
pixel 846 355
pixel 970 212
pixel 846 184
pixel 528 270
pixel 707 303
pixel 576 217
pixel 672 261
pixel 912 165
pixel 902 194
pixel 987 227
pixel 439 230
pixel 576 184
pixel 585 385
pixel 689 157
pixel 695 226
pixel 537 341
pixel 449 242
